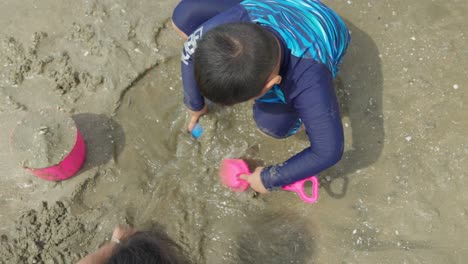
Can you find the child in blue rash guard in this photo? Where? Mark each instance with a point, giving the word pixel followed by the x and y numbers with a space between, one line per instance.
pixel 284 55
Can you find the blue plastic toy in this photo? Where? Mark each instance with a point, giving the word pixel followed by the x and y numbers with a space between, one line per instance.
pixel 197 131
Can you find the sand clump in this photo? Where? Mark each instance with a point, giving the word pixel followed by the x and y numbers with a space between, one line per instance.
pixel 43 139
pixel 48 235
pixel 22 63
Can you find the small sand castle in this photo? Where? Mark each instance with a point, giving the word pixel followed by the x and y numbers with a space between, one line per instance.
pixel 43 139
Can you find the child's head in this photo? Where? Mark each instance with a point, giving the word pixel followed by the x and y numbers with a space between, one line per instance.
pixel 146 248
pixel 236 62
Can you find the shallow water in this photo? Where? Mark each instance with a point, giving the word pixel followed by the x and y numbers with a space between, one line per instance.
pixel 397 196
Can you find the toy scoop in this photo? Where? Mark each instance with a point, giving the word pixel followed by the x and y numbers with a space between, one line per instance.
pixel 197 131
pixel 231 169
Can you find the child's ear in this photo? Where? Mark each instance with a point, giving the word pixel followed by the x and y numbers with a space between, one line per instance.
pixel 275 80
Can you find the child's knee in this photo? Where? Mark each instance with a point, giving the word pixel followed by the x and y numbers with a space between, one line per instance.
pixel 276 124
pixel 178 31
pixel 272 133
pixel 269 133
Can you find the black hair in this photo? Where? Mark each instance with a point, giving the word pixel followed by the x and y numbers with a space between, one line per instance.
pixel 233 61
pixel 147 248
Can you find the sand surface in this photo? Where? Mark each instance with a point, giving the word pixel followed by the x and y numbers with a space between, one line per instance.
pixel 397 196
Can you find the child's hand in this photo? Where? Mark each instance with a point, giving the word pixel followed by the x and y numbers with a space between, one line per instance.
pixel 195 115
pixel 122 233
pixel 255 181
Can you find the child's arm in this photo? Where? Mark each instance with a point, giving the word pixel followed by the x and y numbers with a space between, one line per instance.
pixel 191 17
pixel 188 17
pixel 192 97
pixel 100 256
pixel 103 254
pixel 318 109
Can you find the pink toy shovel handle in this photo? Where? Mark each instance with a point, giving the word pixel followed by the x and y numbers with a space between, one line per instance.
pixel 298 187
pixel 231 169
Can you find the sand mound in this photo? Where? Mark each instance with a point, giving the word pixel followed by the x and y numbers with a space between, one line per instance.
pixel 49 235
pixel 43 139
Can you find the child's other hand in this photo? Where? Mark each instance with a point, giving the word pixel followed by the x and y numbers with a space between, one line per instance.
pixel 255 180
pixel 195 115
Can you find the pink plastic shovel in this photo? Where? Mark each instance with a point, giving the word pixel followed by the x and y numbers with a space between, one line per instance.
pixel 231 169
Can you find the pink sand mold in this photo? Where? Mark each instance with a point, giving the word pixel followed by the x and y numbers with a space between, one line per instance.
pixel 231 169
pixel 68 167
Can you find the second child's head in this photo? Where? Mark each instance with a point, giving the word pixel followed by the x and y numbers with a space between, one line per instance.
pixel 147 248
pixel 236 62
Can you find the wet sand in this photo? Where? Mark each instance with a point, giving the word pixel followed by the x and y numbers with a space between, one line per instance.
pixel 397 196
